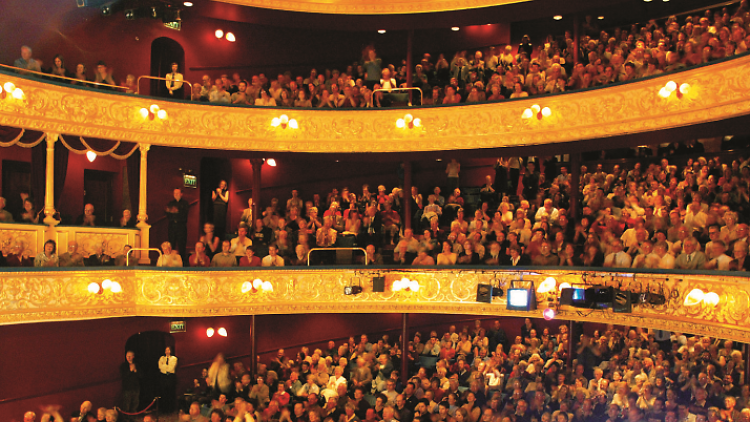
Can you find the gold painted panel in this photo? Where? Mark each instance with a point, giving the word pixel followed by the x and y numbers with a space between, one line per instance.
pixel 718 91
pixel 370 7
pixel 29 236
pixel 55 296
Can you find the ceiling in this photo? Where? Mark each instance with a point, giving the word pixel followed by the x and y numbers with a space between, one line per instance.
pixel 371 7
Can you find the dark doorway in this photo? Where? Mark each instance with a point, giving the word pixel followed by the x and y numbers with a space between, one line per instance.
pixel 214 170
pixel 16 180
pixel 164 52
pixel 98 191
pixel 148 348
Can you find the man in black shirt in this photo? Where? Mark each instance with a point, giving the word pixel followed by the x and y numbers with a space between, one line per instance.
pixel 177 214
pixel 131 383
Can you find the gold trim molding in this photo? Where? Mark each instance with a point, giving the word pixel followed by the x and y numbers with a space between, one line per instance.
pixel 370 7
pixel 718 91
pixel 29 297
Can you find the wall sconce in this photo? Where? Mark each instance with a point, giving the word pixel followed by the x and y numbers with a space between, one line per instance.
pixel 537 111
pixel 284 121
pixel 671 86
pixel 91 156
pixel 221 331
pixel 219 33
pixel 97 288
pixel 10 91
pixel 257 286
pixel 153 112
pixel 408 122
pixel 697 296
pixel 405 285
pixel 230 37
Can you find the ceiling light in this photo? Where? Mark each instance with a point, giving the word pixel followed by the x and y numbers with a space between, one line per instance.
pixel 381 31
pixel 600 17
pixel 230 37
pixel 455 29
pixel 188 4
pixel 647 1
pixel 557 17
pixel 219 33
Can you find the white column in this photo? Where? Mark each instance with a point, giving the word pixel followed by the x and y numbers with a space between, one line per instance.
pixel 142 216
pixel 49 191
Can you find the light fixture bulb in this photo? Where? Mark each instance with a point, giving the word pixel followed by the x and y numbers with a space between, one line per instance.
pixel 563 286
pixel 535 108
pixel 601 18
pixel 116 287
pixel 415 286
pixel 267 286
pixel 247 286
pixel 9 87
pixel 684 89
pixel 210 332
pixel 188 4
pixel 275 122
pixel 162 114
pixel 396 286
pixel 18 94
pixel 91 155
pixel 293 124
pixel 547 285
pixel 557 17
pixel 154 108
pixel 527 114
pixel 455 29
pixel 144 112
pixel 93 288
pixel 664 93
pixel 271 162
pixel 694 297
pixel 257 283
pixel 400 123
pixel 230 37
pixel 107 284
pixel 219 33
pixel 408 118
pixel 417 122
pixel 546 112
pixel 222 332
pixel 671 86
pixel 284 119
pixel 711 299
pixel 381 31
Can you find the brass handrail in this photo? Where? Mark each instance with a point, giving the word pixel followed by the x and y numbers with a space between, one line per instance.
pixel 52 75
pixel 158 78
pixel 421 96
pixel 334 249
pixel 127 255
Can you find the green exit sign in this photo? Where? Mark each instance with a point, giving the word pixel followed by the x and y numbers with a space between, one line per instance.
pixel 190 181
pixel 177 326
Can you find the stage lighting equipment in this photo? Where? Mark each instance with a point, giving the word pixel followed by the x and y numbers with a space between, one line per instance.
pixel 521 298
pixel 622 302
pixel 484 293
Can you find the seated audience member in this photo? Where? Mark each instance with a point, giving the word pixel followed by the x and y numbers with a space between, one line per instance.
pixel 225 258
pixel 250 260
pixel 99 257
pixel 691 258
pixel 740 261
pixel 87 218
pixel 48 258
pixel 447 256
pixel 5 216
pixel 199 257
pixel 169 257
pixel 516 258
pixel 16 258
pixel 423 258
pixel 218 93
pixel 104 75
pixel 273 259
pixel 123 259
pixel 26 61
pixel 373 258
pixel 300 256
pixel 240 243
pixel 71 258
pixel 29 214
pixel 720 259
pixel 617 258
pixel 126 221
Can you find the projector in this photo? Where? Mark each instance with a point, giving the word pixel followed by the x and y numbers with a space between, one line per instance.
pixel 352 290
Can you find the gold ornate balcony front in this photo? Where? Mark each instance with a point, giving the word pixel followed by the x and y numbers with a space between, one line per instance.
pixel 717 92
pixel 35 296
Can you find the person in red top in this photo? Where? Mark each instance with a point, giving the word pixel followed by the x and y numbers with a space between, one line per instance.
pixel 250 260
pixel 281 396
pixel 391 221
pixel 199 258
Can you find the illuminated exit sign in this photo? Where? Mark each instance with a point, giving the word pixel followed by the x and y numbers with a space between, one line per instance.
pixel 177 326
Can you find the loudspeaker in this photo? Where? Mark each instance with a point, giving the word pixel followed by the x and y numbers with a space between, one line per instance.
pixel 622 302
pixel 378 284
pixel 484 293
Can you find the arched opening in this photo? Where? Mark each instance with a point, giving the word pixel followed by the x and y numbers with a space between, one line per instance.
pixel 164 52
pixel 148 348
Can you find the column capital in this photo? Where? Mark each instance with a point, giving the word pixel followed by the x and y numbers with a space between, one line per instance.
pixel 144 147
pixel 52 137
pixel 257 161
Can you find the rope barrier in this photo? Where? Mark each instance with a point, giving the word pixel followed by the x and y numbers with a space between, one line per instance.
pixel 137 413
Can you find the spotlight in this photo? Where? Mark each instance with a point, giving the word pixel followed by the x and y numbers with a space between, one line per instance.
pixel 352 290
pixel 222 332
pixel 557 17
pixel 230 37
pixel 210 332
pixel 601 18
pixel 188 4
pixel 521 298
pixel 455 29
pixel 549 314
pixel 381 31
pixel 219 33
pixel 130 14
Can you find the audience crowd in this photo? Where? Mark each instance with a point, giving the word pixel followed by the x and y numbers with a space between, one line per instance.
pixel 602 58
pixel 616 374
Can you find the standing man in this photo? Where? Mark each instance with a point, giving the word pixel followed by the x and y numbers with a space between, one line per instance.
pixel 131 383
pixel 174 82
pixel 177 214
pixel 168 380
